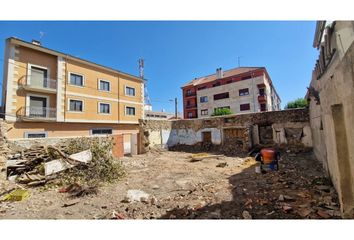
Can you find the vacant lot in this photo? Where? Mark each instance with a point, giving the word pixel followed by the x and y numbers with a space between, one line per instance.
pixel 219 187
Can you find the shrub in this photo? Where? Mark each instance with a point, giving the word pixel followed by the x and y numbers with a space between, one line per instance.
pixel 298 103
pixel 221 111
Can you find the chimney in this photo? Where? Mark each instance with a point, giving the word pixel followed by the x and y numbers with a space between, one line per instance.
pixel 219 73
pixel 36 42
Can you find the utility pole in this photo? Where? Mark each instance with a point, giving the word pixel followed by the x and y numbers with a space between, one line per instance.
pixel 176 104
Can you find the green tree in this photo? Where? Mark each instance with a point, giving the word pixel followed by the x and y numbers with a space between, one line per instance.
pixel 221 111
pixel 298 103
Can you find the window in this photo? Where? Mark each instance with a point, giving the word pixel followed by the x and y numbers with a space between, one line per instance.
pixel 243 92
pixel 263 107
pixel 105 108
pixel 245 107
pixel 130 111
pixel 261 91
pixel 76 79
pixel 190 114
pixel 204 112
pixel 36 134
pixel 104 85
pixel 76 105
pixel 129 91
pixel 101 131
pixel 221 96
pixel 204 99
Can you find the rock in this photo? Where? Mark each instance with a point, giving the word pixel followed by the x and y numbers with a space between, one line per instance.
pixel 155 187
pixel 304 212
pixel 281 197
pixel 246 215
pixel 135 195
pixel 287 208
pixel 215 214
pixel 153 200
pixel 323 214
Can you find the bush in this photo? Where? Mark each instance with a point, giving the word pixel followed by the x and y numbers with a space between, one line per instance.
pixel 298 103
pixel 221 111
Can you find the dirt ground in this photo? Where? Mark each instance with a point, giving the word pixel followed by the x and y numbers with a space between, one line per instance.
pixel 181 189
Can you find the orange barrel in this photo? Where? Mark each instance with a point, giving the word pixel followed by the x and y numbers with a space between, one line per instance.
pixel 268 155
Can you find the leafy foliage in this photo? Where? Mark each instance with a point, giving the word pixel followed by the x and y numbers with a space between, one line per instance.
pixel 298 103
pixel 221 112
pixel 102 168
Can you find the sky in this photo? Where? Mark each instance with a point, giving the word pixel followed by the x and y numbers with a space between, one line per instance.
pixel 175 52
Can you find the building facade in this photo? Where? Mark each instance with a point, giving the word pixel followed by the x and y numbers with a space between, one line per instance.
pixel 49 94
pixel 331 96
pixel 242 90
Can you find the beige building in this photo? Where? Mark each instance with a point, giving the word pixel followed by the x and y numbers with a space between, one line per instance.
pixel 331 95
pixel 49 94
pixel 242 90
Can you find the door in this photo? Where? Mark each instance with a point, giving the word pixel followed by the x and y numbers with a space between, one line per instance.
pixel 206 137
pixel 39 77
pixel 37 106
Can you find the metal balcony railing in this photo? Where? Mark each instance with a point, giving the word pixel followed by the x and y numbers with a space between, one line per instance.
pixel 191 106
pixel 38 83
pixel 38 113
pixel 262 98
pixel 191 94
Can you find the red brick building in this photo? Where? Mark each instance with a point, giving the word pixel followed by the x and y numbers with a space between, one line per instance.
pixel 243 89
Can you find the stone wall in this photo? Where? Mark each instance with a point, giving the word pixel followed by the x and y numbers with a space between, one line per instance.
pixel 153 133
pixel 234 132
pixel 332 116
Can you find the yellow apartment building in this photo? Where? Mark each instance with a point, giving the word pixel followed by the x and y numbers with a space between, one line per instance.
pixel 49 94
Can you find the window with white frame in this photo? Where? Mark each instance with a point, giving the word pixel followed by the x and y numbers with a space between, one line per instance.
pixel 204 112
pixel 101 131
pixel 129 91
pixel 105 108
pixel 76 105
pixel 76 79
pixel 36 134
pixel 104 85
pixel 204 99
pixel 130 111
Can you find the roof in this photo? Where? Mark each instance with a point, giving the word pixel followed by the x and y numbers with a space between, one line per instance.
pixel 227 73
pixel 57 53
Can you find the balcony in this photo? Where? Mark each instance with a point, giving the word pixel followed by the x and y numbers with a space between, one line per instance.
pixel 37 114
pixel 191 106
pixel 192 94
pixel 262 98
pixel 33 83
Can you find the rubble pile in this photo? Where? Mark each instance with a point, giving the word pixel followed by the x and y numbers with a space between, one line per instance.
pixel 81 159
pixel 298 190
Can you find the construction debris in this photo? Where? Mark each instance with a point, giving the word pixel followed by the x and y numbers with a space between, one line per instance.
pixel 16 195
pixel 200 156
pixel 135 195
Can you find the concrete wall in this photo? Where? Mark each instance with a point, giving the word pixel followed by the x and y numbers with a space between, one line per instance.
pixel 287 127
pixel 332 114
